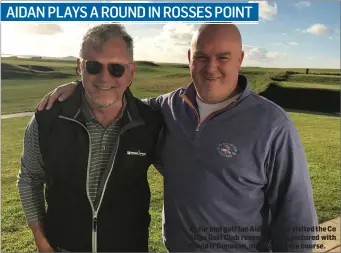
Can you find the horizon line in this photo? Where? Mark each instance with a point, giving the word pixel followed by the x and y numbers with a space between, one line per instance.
pixel 69 56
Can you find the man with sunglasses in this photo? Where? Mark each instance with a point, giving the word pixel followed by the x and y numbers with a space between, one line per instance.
pixel 235 172
pixel 92 152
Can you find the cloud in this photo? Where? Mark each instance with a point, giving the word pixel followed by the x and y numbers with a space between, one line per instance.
pixel 317 29
pixel 334 37
pixel 259 54
pixel 286 44
pixel 40 29
pixel 266 10
pixel 292 43
pixel 85 26
pixel 174 40
pixel 179 34
pixel 68 41
pixel 170 45
pixel 302 4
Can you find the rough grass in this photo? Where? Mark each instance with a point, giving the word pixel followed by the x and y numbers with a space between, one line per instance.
pixel 310 85
pixel 319 79
pixel 321 140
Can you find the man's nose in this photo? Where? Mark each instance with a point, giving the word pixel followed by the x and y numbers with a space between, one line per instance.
pixel 211 65
pixel 105 74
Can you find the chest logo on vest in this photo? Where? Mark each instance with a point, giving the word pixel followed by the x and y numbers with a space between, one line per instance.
pixel 227 150
pixel 138 153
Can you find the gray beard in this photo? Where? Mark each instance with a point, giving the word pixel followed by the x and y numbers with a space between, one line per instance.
pixel 97 103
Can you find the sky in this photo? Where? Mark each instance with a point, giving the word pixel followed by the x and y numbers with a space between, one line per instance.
pixel 290 34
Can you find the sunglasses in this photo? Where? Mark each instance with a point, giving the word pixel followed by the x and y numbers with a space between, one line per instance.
pixel 95 67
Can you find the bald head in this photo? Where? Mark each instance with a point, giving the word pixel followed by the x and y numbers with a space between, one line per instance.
pixel 230 31
pixel 215 58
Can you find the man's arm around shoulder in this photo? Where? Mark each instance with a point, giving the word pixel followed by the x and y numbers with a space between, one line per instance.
pixel 156 102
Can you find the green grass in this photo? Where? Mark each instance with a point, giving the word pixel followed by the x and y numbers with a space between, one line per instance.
pixel 23 95
pixel 321 140
pixel 320 136
pixel 298 70
pixel 320 79
pixel 58 65
pixel 310 85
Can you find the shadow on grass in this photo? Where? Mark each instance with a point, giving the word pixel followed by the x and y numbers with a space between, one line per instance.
pixel 28 75
pixel 37 67
pixel 9 71
pixel 147 63
pixel 320 101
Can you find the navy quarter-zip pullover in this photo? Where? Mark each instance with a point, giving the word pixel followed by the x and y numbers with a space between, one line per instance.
pixel 238 181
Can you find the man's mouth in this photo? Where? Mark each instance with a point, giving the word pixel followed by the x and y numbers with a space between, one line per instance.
pixel 211 78
pixel 104 88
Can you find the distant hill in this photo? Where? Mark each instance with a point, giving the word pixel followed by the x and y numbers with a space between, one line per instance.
pixel 66 58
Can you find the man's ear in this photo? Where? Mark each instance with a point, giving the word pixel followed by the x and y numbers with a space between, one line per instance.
pixel 132 69
pixel 241 58
pixel 78 68
pixel 78 72
pixel 189 55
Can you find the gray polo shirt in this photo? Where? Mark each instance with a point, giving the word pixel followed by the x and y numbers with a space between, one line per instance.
pixel 103 144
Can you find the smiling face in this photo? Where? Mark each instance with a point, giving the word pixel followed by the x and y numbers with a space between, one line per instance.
pixel 215 60
pixel 103 89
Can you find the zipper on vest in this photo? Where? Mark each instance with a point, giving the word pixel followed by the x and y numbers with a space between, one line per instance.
pixel 198 128
pixel 95 212
pixel 94 233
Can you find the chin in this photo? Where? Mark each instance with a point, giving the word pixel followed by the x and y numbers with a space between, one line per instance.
pixel 104 103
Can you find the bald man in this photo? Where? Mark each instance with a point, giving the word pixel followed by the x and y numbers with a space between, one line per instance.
pixel 235 173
